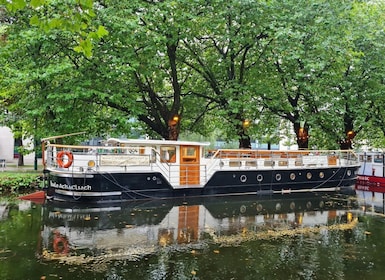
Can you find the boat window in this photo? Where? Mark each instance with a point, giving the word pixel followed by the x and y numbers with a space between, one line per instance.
pixel 190 154
pixel 168 154
pixel 365 158
pixel 378 158
pixel 117 149
pixel 361 158
pixel 368 159
pixel 150 151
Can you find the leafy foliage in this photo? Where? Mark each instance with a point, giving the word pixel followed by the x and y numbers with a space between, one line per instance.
pixel 17 182
pixel 113 66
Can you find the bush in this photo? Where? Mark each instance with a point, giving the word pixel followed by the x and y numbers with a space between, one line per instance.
pixel 18 182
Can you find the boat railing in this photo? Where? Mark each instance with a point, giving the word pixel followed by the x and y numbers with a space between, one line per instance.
pixel 266 159
pixel 110 159
pixel 162 166
pixel 79 158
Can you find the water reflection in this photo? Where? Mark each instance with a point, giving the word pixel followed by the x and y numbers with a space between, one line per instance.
pixel 132 231
pixel 371 202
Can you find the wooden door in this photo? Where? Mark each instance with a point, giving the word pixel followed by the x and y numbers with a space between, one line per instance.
pixel 188 223
pixel 189 165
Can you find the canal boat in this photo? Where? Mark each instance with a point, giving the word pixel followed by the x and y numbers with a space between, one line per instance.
pixel 371 174
pixel 145 169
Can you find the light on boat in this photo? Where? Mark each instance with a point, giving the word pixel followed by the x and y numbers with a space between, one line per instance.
pixel 91 163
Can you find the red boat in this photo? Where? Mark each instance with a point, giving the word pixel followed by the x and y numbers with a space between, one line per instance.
pixel 371 172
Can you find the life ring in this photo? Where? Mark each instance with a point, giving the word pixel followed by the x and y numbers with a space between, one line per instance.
pixel 60 159
pixel 60 244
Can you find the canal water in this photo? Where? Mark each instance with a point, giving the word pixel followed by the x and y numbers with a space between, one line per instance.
pixel 284 237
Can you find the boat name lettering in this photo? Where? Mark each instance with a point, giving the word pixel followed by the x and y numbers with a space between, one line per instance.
pixel 362 188
pixel 363 178
pixel 71 187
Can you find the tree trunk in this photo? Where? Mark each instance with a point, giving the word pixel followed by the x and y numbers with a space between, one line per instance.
pixel 19 143
pixel 174 128
pixel 347 144
pixel 244 139
pixel 302 136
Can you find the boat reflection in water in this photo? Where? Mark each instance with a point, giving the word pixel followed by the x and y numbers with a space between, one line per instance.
pixel 132 231
pixel 371 201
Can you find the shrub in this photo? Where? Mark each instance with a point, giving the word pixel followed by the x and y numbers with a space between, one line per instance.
pixel 18 182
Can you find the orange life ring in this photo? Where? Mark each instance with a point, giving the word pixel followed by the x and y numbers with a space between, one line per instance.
pixel 60 244
pixel 60 159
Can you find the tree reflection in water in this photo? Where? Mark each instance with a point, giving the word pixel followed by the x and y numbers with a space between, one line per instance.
pixel 286 237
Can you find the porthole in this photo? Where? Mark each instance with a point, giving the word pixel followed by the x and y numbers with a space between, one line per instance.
pixel 278 207
pixel 321 175
pixel 308 175
pixel 259 177
pixel 292 205
pixel 278 177
pixel 242 209
pixel 292 176
pixel 259 207
pixel 243 178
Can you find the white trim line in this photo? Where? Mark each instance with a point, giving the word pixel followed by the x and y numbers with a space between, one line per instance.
pixel 72 193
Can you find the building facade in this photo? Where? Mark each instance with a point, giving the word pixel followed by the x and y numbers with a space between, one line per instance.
pixel 8 150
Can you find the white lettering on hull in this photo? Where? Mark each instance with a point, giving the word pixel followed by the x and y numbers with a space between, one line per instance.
pixel 70 187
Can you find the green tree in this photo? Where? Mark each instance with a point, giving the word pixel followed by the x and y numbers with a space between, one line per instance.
pixel 316 65
pixel 75 17
pixel 302 61
pixel 42 84
pixel 225 52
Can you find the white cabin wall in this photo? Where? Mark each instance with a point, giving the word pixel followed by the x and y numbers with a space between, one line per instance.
pixel 371 169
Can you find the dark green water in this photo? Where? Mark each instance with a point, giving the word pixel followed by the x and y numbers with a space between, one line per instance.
pixel 243 238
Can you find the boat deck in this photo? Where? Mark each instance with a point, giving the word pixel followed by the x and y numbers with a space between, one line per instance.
pixel 179 170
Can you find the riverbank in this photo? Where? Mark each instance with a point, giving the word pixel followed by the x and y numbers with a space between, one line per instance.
pixel 16 179
pixel 29 166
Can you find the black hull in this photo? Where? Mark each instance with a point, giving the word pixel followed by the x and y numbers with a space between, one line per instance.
pixel 113 187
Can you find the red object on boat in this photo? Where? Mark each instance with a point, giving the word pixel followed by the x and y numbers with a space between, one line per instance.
pixel 370 183
pixel 38 197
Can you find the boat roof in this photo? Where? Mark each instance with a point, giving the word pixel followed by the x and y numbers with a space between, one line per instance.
pixel 371 152
pixel 151 142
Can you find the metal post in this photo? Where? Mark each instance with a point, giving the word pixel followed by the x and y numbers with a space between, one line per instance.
pixel 35 147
